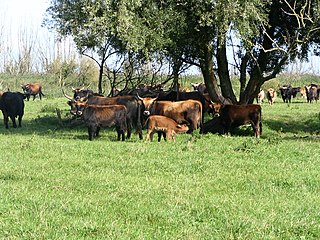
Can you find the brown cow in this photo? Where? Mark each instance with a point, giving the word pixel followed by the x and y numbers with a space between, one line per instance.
pixel 188 111
pixel 164 125
pixel 32 89
pixel 236 115
pixel 132 104
pixel 271 95
pixel 312 93
pixel 97 116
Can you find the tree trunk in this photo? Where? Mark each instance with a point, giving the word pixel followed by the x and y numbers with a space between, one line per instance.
pixel 100 79
pixel 223 71
pixel 175 69
pixel 206 65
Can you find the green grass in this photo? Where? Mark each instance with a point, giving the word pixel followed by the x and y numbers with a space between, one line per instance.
pixel 56 184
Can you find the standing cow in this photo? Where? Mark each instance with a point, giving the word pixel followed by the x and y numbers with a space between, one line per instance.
pixel 97 116
pixel 164 125
pixel 232 116
pixel 32 89
pixel 260 96
pixel 12 105
pixel 132 104
pixel 271 96
pixel 312 93
pixel 188 111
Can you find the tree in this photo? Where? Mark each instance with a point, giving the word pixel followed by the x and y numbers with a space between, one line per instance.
pixel 91 26
pixel 270 33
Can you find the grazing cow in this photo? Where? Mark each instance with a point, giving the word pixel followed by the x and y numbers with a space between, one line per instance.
pixel 32 89
pixel 287 92
pixel 260 96
pixel 97 116
pixel 271 95
pixel 188 111
pixel 133 105
pixel 232 116
pixel 312 93
pixel 12 105
pixel 164 125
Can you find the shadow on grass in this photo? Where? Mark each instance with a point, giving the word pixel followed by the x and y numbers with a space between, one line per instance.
pixel 307 126
pixel 66 128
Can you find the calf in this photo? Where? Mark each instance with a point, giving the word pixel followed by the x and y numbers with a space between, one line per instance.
pixel 232 116
pixel 271 95
pixel 97 116
pixel 32 89
pixel 12 105
pixel 164 125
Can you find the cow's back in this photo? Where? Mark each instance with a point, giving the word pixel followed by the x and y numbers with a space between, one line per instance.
pixel 12 103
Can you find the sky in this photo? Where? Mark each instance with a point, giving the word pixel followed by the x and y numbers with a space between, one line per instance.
pixel 28 14
pixel 16 13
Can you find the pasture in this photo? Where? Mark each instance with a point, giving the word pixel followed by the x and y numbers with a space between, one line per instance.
pixel 56 184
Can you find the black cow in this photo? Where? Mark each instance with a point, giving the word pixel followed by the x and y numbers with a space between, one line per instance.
pixel 12 105
pixel 288 92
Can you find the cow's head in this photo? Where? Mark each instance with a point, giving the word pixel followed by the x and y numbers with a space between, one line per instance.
pixel 81 93
pixel 26 88
pixel 147 102
pixel 215 108
pixel 80 106
pixel 182 128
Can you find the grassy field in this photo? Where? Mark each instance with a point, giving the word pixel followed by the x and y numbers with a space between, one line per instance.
pixel 56 184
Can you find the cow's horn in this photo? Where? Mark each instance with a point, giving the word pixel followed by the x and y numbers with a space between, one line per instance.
pixel 70 98
pixel 139 97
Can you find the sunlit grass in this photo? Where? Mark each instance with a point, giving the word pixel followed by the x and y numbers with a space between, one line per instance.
pixel 56 184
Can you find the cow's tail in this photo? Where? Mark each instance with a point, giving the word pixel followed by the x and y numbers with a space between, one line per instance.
pixel 201 118
pixel 260 121
pixel 139 119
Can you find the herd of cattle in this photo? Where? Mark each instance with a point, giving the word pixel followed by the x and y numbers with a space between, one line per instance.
pixel 310 93
pixel 166 114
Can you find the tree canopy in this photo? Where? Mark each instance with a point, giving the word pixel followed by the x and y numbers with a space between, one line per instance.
pixel 269 35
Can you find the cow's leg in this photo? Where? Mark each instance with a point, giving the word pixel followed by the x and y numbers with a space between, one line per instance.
pixel 140 134
pixel 148 136
pixel 19 119
pixel 40 95
pixel 6 120
pixel 159 136
pixel 151 135
pixel 34 97
pixel 97 131
pixel 91 132
pixel 129 128
pixel 169 135
pixel 13 119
